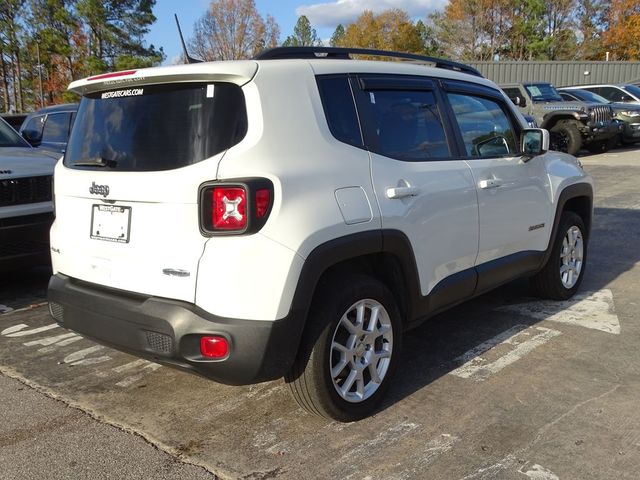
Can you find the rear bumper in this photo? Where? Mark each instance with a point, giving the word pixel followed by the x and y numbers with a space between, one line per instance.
pixel 168 331
pixel 24 241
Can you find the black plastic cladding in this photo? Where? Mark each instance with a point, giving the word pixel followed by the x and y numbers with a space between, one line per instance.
pixel 251 186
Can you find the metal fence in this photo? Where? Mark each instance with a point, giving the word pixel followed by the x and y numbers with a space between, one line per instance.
pixel 561 74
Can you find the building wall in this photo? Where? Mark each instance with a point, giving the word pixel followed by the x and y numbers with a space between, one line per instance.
pixel 561 74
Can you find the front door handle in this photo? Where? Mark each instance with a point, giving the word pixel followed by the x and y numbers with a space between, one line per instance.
pixel 490 183
pixel 402 192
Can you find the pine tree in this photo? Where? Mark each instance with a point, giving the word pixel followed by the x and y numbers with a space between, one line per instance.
pixel 303 35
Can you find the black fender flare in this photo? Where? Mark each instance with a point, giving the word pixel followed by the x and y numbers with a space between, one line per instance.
pixel 350 247
pixel 577 190
pixel 550 119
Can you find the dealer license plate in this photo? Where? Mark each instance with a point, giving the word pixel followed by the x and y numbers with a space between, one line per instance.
pixel 111 223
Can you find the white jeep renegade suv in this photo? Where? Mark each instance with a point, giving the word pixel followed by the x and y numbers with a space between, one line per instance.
pixel 295 215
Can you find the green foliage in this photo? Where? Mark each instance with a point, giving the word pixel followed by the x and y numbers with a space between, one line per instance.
pixel 521 29
pixel 72 39
pixel 338 36
pixel 389 30
pixel 303 35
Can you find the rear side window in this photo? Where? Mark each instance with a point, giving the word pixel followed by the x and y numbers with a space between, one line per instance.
pixel 340 110
pixel 406 125
pixel 485 127
pixel 156 127
pixel 56 127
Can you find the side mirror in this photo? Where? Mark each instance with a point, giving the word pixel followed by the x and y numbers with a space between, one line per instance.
pixel 534 142
pixel 32 136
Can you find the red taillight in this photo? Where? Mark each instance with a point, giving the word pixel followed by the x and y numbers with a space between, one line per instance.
pixel 263 199
pixel 229 208
pixel 238 208
pixel 214 347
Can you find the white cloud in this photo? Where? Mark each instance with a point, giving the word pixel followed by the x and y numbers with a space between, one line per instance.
pixel 330 14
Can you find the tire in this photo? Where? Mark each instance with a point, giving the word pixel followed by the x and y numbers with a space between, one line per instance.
pixel 562 275
pixel 334 374
pixel 603 146
pixel 597 147
pixel 567 138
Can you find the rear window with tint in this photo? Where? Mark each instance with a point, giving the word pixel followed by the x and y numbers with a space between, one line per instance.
pixel 156 127
pixel 339 109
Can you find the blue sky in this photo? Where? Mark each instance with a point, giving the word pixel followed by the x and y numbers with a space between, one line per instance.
pixel 324 16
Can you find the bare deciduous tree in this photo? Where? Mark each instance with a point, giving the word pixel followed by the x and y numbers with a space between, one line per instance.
pixel 232 30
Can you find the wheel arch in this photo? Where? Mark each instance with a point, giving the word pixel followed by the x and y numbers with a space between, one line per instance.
pixel 386 255
pixel 577 198
pixel 550 120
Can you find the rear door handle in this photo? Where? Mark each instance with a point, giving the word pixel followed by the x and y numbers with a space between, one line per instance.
pixel 402 192
pixel 490 183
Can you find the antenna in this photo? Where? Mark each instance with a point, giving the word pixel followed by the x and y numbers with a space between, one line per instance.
pixel 184 46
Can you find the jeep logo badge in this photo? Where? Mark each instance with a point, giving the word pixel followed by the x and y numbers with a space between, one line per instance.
pixel 99 189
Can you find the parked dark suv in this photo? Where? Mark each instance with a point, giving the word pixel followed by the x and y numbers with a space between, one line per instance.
pixel 49 127
pixel 573 125
pixel 628 114
pixel 26 201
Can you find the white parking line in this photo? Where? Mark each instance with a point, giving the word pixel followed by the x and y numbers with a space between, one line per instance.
pixel 19 330
pixel 127 382
pixel 415 463
pixel 538 472
pixel 478 367
pixel 50 340
pixel 594 310
pixel 80 357
pixel 62 343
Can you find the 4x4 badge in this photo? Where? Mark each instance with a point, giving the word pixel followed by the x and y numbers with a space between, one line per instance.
pixel 99 189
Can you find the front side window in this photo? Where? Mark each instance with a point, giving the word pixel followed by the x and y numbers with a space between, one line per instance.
pixel 485 127
pixel 33 129
pixel 407 125
pixel 56 127
pixel 156 127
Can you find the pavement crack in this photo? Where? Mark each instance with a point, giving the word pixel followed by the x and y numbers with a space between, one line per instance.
pixel 561 417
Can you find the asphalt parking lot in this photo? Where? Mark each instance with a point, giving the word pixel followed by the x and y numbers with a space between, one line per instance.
pixel 502 387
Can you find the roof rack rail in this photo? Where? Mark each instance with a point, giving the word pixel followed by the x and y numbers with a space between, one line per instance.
pixel 280 53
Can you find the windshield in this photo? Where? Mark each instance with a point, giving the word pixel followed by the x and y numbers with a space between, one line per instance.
pixel 156 127
pixel 543 92
pixel 633 90
pixel 10 138
pixel 588 96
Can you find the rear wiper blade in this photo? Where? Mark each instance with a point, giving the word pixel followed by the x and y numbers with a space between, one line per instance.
pixel 96 162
